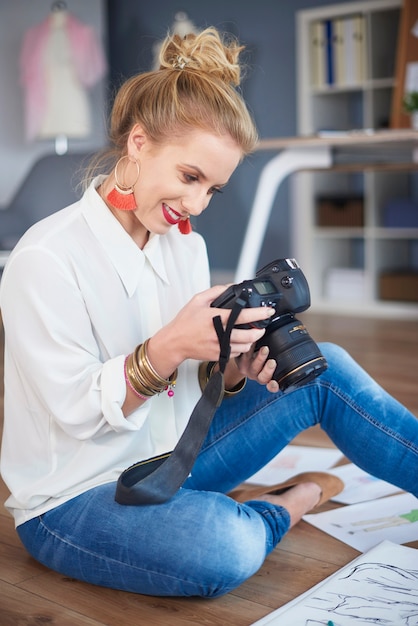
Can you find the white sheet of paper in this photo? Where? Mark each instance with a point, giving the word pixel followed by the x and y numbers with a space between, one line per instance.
pixel 379 587
pixel 362 526
pixel 360 486
pixel 293 460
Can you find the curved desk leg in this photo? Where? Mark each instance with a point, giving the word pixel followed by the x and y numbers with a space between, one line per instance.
pixel 289 161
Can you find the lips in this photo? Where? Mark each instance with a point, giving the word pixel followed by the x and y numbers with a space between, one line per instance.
pixel 171 216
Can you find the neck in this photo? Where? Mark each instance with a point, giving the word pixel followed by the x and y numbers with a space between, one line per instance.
pixel 128 219
pixel 58 18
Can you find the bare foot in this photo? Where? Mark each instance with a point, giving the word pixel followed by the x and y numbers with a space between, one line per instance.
pixel 297 500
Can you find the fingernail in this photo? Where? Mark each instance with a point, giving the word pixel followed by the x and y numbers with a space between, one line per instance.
pixel 271 311
pixel 264 351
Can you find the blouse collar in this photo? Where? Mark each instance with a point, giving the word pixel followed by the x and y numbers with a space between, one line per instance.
pixel 128 259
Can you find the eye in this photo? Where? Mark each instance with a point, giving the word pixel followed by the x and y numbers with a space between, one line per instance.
pixel 194 178
pixel 214 190
pixel 190 178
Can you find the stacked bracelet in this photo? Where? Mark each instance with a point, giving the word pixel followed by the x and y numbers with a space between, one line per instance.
pixel 130 385
pixel 142 378
pixel 206 370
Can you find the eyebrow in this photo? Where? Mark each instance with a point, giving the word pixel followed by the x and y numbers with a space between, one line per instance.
pixel 196 168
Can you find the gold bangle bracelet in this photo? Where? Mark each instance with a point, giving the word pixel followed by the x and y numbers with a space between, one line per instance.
pixel 202 375
pixel 166 383
pixel 150 368
pixel 238 387
pixel 137 381
pixel 143 377
pixel 206 369
pixel 152 375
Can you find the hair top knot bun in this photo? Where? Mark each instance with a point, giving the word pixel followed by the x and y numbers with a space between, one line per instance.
pixel 179 62
pixel 206 51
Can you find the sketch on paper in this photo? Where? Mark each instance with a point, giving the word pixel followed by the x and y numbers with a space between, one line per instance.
pixel 379 523
pixel 362 526
pixel 390 591
pixel 379 587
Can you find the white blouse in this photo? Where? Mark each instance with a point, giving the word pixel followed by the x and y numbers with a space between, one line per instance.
pixel 77 295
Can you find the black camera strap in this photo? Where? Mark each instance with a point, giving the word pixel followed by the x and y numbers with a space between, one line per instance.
pixel 156 480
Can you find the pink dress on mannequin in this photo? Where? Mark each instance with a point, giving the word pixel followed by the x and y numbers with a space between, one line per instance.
pixel 60 60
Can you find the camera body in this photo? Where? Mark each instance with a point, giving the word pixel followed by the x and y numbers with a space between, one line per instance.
pixel 281 285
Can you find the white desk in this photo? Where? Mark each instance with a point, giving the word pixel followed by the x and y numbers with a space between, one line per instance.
pixel 355 150
pixel 4 255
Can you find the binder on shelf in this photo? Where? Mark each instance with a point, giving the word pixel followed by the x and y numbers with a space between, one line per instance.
pixel 355 49
pixel 339 52
pixel 329 55
pixel 349 50
pixel 359 48
pixel 318 54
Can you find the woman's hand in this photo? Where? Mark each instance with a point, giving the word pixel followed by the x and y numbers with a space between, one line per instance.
pixel 257 366
pixel 191 334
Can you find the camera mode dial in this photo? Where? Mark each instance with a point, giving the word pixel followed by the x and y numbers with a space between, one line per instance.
pixel 287 282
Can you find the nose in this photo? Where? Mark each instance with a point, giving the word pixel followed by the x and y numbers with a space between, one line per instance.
pixel 196 203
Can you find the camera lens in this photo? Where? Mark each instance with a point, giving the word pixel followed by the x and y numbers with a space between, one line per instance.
pixel 298 357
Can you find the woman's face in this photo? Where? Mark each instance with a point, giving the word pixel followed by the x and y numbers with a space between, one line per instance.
pixel 179 178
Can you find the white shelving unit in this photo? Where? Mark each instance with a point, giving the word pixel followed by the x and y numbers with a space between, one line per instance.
pixel 372 248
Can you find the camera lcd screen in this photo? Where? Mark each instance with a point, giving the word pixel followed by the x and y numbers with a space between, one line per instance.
pixel 264 287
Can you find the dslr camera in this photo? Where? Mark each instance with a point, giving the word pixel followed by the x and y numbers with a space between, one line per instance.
pixel 281 285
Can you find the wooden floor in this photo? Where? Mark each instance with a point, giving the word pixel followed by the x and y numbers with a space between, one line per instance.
pixel 30 595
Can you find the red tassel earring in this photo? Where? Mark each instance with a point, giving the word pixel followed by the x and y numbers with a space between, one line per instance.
pixel 122 196
pixel 185 227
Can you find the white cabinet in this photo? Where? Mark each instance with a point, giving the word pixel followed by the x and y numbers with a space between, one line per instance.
pixel 345 264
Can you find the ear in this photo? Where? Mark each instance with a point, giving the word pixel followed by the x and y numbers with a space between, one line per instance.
pixel 136 140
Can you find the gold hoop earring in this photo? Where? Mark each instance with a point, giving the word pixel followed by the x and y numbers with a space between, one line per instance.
pixel 122 195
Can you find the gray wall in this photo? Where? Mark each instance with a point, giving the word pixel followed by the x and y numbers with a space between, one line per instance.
pixel 267 28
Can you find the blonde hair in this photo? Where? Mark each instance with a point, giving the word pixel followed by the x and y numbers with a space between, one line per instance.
pixel 194 88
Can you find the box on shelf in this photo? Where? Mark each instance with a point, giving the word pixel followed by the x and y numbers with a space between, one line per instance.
pixel 399 285
pixel 400 213
pixel 340 210
pixel 345 283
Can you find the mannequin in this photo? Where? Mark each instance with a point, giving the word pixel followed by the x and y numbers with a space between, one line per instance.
pixel 60 61
pixel 67 108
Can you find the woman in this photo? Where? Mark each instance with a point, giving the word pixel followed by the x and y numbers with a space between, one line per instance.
pixel 107 316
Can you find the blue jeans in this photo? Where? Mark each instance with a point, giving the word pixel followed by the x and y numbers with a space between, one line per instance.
pixel 201 542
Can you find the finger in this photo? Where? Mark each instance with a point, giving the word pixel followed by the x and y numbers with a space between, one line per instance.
pixel 247 335
pixel 260 358
pixel 252 362
pixel 266 374
pixel 273 386
pixel 242 350
pixel 258 314
pixel 247 317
